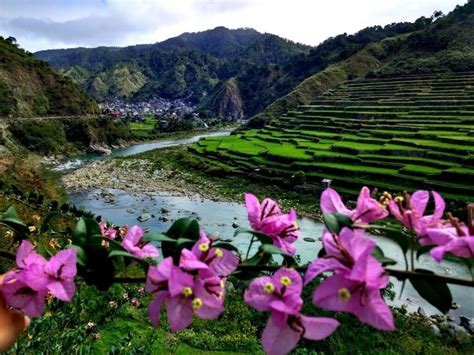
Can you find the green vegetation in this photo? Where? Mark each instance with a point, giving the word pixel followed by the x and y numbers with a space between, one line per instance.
pixel 386 133
pixel 142 129
pixel 30 88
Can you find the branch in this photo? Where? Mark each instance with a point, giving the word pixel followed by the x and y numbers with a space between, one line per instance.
pixel 399 274
pixel 5 254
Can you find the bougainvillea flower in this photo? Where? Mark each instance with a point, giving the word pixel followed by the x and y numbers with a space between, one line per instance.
pixel 281 295
pixel 258 213
pixel 357 280
pixel 453 237
pixel 268 219
pixel 184 294
pixel 367 209
pixel 409 210
pixel 19 295
pixel 61 270
pixel 207 259
pixel 107 232
pixel 134 244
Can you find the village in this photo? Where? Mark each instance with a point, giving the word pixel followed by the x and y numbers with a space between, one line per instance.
pixel 158 107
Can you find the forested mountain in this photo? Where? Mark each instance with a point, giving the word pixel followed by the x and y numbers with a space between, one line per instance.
pixel 29 87
pixel 262 67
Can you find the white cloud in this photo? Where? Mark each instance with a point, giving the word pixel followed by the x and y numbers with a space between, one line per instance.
pixel 69 23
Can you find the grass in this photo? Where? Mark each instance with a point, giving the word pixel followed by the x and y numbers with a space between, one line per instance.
pixel 142 129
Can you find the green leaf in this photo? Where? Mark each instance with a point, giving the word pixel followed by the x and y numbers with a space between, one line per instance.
pixel 242 230
pixel 80 253
pixel 79 236
pixel 43 249
pixel 125 254
pixel 178 228
pixel 271 249
pixel 193 230
pixel 157 237
pixel 182 241
pixel 331 223
pixel 10 213
pixel 435 292
pixel 343 220
pixel 47 220
pixel 263 238
pixel 226 246
pixel 424 249
pixel 378 254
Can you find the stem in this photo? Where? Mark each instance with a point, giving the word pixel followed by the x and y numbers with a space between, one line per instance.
pixel 412 259
pixel 250 246
pixel 399 274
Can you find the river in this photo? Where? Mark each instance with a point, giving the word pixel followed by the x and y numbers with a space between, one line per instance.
pixel 218 217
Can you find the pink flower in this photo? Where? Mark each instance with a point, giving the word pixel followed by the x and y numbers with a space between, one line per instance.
pixel 26 287
pixel 455 238
pixel 409 210
pixel 281 295
pixel 184 294
pixel 107 232
pixel 367 209
pixel 134 244
pixel 208 260
pixel 267 218
pixel 356 283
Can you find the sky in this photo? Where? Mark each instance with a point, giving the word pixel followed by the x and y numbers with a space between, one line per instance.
pixel 51 24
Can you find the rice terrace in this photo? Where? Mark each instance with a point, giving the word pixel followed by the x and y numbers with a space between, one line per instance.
pixel 396 133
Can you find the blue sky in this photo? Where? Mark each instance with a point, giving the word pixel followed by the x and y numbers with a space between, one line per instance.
pixel 45 24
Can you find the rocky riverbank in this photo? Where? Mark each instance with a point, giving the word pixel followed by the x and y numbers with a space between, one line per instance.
pixel 137 176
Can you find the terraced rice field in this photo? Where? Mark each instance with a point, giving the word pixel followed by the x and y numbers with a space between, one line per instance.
pixel 394 133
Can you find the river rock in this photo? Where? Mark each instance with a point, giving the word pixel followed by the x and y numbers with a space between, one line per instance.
pixel 455 329
pixel 98 149
pixel 235 225
pixel 467 323
pixel 421 312
pixel 144 217
pixel 165 210
pixel 130 210
pixel 455 306
pixel 436 330
pixel 309 239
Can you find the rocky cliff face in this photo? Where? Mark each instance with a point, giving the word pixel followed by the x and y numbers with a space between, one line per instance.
pixel 227 102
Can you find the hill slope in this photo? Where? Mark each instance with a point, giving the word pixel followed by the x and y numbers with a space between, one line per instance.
pixel 399 133
pixel 29 87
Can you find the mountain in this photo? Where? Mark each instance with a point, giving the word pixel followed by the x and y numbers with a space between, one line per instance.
pixel 190 66
pixel 29 87
pixel 434 45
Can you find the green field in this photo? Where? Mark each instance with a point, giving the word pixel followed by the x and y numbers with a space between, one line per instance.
pixel 393 133
pixel 142 129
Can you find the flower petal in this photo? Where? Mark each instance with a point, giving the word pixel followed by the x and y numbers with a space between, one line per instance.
pixel 317 328
pixel 279 340
pixel 180 312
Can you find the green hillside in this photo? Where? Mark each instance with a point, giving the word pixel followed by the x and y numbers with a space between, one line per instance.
pixel 398 133
pixel 434 45
pixel 30 88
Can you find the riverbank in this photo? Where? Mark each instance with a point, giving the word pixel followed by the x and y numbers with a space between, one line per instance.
pixel 170 170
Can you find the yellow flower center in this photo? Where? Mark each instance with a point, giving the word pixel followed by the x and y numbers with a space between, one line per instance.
pixel 32 229
pixel 187 291
pixel 220 295
pixel 344 294
pixel 204 246
pixel 398 199
pixel 219 253
pixel 222 283
pixel 285 281
pixel 268 288
pixel 197 303
pixel 296 225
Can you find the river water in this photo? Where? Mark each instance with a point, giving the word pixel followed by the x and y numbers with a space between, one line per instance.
pixel 218 217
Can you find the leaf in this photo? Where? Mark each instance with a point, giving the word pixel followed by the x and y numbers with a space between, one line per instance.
pixel 226 246
pixel 113 244
pixel 182 241
pixel 157 237
pixel 435 292
pixel 125 254
pixel 43 249
pixel 178 228
pixel 47 220
pixel 343 220
pixel 10 213
pixel 263 238
pixel 80 253
pixel 193 230
pixel 321 252
pixel 378 254
pixel 331 223
pixel 424 249
pixel 79 236
pixel 271 249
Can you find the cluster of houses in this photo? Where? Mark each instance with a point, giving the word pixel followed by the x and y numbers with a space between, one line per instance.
pixel 136 111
